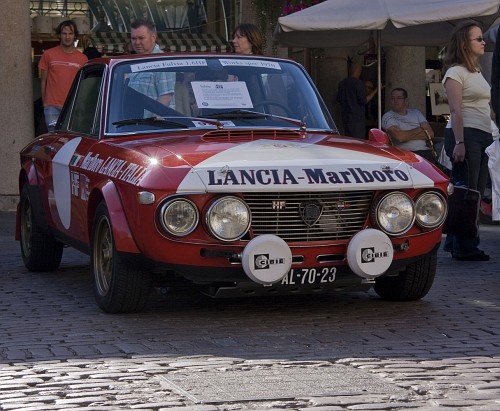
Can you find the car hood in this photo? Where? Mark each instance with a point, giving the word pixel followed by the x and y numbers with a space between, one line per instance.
pixel 284 165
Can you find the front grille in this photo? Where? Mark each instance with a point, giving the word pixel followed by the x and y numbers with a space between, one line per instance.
pixel 321 216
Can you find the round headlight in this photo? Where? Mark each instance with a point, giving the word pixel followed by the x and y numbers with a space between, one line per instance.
pixel 228 218
pixel 395 213
pixel 179 217
pixel 430 209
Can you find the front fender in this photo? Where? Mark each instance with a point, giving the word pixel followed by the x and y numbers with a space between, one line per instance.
pixel 124 240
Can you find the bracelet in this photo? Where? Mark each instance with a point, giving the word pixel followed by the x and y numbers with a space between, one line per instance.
pixel 458 142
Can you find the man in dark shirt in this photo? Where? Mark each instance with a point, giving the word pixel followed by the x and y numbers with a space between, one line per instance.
pixel 352 98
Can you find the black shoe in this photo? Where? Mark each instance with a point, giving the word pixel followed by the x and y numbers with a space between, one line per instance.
pixel 481 256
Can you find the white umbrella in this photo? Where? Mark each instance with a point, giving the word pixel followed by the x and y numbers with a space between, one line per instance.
pixel 346 23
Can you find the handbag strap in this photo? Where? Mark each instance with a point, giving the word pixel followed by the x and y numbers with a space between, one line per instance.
pixel 430 144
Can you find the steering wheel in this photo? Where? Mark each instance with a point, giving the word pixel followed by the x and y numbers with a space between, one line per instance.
pixel 275 103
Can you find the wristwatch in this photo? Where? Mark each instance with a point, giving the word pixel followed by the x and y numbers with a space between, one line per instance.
pixel 458 142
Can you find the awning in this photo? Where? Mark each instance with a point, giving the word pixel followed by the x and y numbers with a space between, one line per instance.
pixel 191 42
pixel 116 42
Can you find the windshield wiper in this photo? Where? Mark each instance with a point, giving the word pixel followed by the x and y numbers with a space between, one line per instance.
pixel 256 114
pixel 160 121
pixel 238 114
pixel 150 121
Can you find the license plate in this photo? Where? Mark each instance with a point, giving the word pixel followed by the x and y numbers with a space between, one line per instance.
pixel 303 276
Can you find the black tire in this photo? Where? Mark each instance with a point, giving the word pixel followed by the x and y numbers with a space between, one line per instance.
pixel 39 249
pixel 411 284
pixel 118 287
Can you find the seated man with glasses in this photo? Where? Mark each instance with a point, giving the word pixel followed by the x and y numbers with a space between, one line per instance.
pixel 407 127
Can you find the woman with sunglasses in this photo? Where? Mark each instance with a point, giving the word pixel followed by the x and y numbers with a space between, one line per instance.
pixel 468 132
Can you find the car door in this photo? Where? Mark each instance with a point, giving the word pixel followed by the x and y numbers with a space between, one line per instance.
pixel 78 129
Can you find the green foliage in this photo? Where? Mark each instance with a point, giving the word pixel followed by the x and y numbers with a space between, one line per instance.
pixel 266 15
pixel 268 11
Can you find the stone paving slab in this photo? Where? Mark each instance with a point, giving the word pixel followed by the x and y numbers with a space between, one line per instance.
pixel 275 383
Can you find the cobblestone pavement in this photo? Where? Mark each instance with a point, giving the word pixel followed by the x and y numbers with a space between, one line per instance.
pixel 187 352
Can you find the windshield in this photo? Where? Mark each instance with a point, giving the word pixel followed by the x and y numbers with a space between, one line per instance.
pixel 212 92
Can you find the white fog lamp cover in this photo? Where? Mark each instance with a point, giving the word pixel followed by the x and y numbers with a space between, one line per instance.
pixel 370 253
pixel 266 259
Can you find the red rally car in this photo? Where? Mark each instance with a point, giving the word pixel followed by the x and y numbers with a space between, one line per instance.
pixel 228 173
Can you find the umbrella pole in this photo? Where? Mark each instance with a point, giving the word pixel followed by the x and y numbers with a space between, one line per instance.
pixel 379 79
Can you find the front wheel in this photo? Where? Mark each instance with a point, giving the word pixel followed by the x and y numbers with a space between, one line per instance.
pixel 39 249
pixel 118 287
pixel 411 284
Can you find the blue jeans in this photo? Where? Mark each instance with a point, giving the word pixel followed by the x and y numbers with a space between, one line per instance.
pixel 51 114
pixel 475 142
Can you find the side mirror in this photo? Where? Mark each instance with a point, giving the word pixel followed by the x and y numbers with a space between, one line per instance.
pixel 379 136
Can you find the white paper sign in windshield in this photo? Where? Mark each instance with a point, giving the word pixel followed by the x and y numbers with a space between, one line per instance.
pixel 161 64
pixel 221 94
pixel 203 124
pixel 250 63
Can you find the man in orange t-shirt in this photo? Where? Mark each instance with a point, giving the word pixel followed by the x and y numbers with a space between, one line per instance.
pixel 58 67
